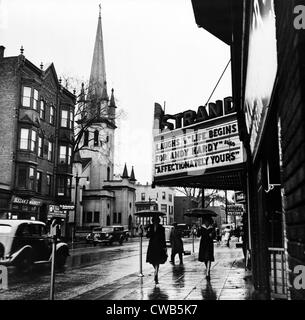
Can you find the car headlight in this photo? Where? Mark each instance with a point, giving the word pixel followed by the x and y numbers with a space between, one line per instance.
pixel 107 235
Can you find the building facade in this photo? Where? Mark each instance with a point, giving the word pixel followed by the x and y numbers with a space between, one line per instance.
pixel 267 51
pixel 158 198
pixel 36 139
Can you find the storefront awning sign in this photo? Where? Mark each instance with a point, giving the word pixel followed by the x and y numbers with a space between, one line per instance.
pixel 194 142
pixel 31 202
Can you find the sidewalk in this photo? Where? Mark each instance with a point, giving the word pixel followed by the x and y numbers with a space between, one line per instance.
pixel 229 281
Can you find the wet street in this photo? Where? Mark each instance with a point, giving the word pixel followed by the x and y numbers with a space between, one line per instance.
pixel 111 272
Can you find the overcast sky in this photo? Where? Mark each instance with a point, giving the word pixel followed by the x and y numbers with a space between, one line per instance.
pixel 154 52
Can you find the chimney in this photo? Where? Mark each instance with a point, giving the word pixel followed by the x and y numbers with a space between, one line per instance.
pixel 2 48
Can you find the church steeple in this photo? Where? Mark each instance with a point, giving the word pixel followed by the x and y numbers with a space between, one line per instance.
pixel 125 173
pixel 97 82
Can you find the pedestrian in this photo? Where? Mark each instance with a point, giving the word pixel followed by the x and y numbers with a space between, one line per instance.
pixel 176 243
pixel 206 247
pixel 156 251
pixel 227 236
pixel 218 236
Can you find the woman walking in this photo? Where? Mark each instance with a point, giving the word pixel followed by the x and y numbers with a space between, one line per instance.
pixel 206 248
pixel 156 251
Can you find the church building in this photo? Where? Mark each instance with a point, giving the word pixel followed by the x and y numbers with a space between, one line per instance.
pixel 100 200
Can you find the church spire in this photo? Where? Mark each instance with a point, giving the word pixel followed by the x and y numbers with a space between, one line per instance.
pixel 97 83
pixel 125 173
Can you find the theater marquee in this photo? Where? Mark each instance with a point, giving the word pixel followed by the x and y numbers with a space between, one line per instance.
pixel 193 143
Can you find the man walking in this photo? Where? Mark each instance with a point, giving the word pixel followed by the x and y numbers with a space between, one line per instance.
pixel 176 243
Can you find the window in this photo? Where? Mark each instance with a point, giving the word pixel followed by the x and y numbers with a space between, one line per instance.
pixel 26 97
pixel 65 153
pixel 50 151
pixel 89 217
pixel 142 196
pixel 164 208
pixel 24 138
pixel 38 183
pixel 49 184
pixel 96 134
pixel 68 187
pixel 170 197
pixel 22 177
pixel 42 111
pixel 39 150
pixel 64 118
pixel 27 139
pixel 108 173
pixel 120 218
pixel 32 178
pixel 71 120
pixel 33 140
pixel 114 217
pixel 96 217
pixel 61 186
pixel 62 154
pixel 35 100
pixel 86 138
pixel 163 195
pixel 51 114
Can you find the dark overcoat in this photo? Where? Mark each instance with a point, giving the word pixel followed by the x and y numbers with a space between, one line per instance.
pixel 176 241
pixel 206 247
pixel 156 251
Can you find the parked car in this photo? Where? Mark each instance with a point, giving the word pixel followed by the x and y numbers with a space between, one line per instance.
pixel 185 229
pixel 24 243
pixel 109 235
pixel 168 230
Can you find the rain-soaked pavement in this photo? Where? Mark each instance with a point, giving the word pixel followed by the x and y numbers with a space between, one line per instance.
pixel 112 272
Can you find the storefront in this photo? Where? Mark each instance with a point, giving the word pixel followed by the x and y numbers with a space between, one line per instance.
pixel 268 81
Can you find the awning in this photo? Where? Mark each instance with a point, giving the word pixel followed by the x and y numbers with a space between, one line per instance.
pixel 229 178
pixel 215 17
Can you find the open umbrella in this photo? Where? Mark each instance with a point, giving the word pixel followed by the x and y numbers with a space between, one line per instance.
pixel 149 213
pixel 200 213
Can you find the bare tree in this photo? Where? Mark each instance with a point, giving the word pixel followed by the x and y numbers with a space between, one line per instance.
pixel 194 196
pixel 90 112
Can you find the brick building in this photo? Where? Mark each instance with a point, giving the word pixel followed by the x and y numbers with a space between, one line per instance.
pixel 268 80
pixel 36 133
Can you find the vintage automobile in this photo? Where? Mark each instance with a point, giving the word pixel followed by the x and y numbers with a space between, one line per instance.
pixel 168 230
pixel 185 229
pixel 24 243
pixel 109 235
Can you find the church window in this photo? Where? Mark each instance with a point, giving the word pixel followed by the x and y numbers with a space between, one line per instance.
pixel 114 217
pixel 96 134
pixel 108 220
pixel 120 218
pixel 89 217
pixel 108 174
pixel 96 218
pixel 143 196
pixel 86 138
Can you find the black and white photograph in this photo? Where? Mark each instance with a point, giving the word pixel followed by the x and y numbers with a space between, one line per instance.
pixel 152 153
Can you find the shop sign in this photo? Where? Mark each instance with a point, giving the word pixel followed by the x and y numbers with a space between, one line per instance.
pixel 235 209
pixel 240 197
pixel 67 206
pixel 56 212
pixel 30 202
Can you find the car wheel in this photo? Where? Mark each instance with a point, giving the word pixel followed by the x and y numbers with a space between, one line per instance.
pixel 60 260
pixel 25 263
